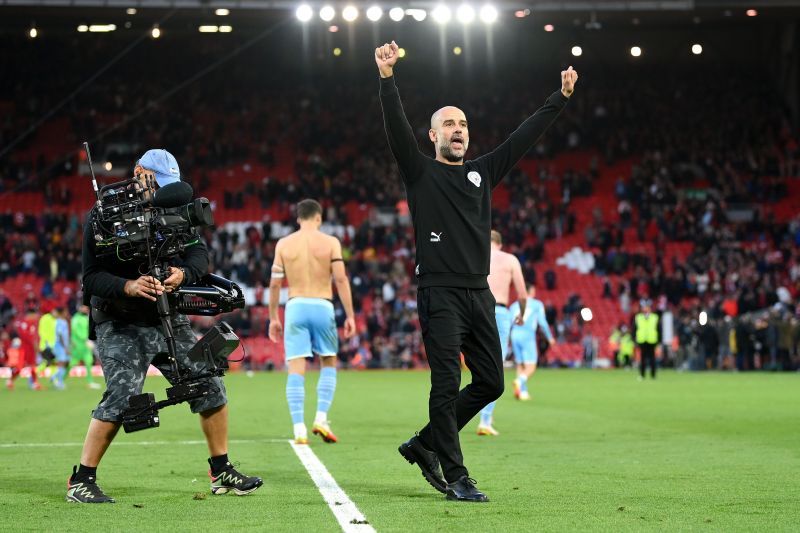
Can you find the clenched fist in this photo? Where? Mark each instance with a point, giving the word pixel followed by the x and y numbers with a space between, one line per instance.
pixel 386 56
pixel 568 79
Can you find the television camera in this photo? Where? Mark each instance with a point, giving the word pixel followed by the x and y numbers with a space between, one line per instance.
pixel 131 222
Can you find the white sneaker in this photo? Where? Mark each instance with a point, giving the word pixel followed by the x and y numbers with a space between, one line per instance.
pixel 524 396
pixel 300 434
pixel 487 430
pixel 323 429
pixel 95 386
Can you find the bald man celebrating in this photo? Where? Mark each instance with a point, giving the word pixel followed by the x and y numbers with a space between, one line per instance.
pixel 450 201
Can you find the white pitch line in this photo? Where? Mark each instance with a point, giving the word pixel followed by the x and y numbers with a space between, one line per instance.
pixel 131 443
pixel 350 518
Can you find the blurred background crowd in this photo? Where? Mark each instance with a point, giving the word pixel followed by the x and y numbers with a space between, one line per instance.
pixel 675 185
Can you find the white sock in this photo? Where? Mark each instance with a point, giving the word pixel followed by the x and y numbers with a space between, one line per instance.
pixel 321 418
pixel 522 379
pixel 300 431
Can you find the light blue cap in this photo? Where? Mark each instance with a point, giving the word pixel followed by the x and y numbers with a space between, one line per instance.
pixel 163 164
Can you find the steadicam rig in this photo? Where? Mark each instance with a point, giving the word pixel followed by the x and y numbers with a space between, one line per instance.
pixel 211 296
pixel 212 350
pixel 131 222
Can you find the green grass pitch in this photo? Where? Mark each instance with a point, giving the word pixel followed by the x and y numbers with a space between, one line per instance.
pixel 592 451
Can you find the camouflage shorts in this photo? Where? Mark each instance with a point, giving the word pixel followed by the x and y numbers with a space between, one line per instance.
pixel 126 351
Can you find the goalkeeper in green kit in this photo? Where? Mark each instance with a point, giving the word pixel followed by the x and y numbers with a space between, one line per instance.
pixel 81 346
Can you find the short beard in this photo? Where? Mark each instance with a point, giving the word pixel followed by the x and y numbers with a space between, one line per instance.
pixel 448 154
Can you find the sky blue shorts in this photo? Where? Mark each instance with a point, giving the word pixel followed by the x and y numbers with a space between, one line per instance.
pixel 310 328
pixel 524 346
pixel 503 317
pixel 60 353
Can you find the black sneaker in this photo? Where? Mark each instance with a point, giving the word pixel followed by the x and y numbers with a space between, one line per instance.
pixel 231 479
pixel 85 490
pixel 415 452
pixel 464 490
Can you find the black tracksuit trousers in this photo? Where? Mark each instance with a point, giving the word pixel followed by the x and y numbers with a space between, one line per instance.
pixel 456 321
pixel 648 352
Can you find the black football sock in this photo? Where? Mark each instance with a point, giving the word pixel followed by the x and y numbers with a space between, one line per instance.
pixel 219 463
pixel 84 473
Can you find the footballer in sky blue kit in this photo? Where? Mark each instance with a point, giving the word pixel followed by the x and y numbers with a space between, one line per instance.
pixel 308 260
pixel 61 347
pixel 523 342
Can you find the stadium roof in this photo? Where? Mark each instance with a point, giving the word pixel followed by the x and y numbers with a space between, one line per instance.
pixel 541 6
pixel 61 17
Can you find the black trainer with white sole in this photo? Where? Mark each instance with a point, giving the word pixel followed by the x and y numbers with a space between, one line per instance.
pixel 231 480
pixel 85 490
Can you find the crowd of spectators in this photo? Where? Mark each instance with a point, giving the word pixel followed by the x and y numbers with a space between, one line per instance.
pixel 693 168
pixel 47 244
pixel 765 339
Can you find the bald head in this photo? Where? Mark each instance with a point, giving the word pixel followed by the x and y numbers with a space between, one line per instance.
pixel 449 134
pixel 448 111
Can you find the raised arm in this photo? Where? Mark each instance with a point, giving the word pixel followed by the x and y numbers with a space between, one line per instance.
pixel 398 130
pixel 502 159
pixel 343 288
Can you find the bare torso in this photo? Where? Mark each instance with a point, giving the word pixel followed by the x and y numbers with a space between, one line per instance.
pixel 306 256
pixel 501 270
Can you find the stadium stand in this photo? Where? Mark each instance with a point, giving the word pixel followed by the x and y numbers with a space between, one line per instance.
pixel 624 199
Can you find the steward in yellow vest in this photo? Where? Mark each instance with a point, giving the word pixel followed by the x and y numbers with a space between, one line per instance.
pixel 646 323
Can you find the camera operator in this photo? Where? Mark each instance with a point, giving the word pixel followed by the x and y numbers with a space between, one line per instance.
pixel 129 337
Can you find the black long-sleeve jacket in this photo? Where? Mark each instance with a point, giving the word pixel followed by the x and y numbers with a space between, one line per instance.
pixel 451 204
